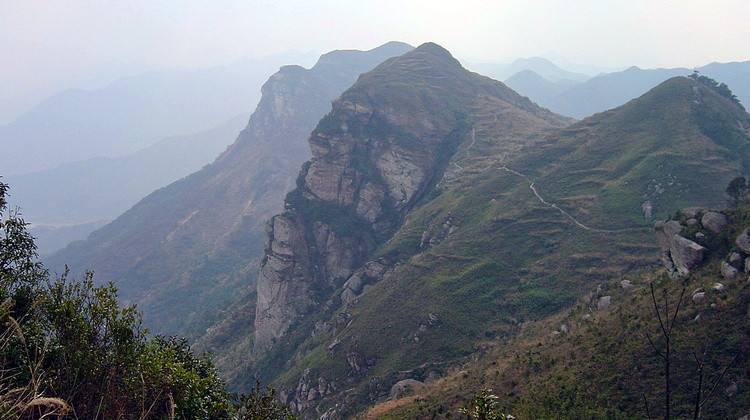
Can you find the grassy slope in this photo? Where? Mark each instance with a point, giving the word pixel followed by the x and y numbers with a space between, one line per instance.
pixel 513 259
pixel 602 366
pixel 424 85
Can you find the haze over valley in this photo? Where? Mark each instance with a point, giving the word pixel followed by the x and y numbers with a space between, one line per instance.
pixel 315 210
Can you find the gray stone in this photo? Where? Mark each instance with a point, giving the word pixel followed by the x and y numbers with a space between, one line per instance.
pixel 647 209
pixel 679 254
pixel 747 265
pixel 743 241
pixel 401 388
pixel 714 221
pixel 685 254
pixel 348 296
pixel 699 297
pixel 604 302
pixel 718 287
pixel 700 236
pixel 727 271
pixel 691 222
pixel 626 284
pixel 731 390
pixel 354 283
pixel 735 259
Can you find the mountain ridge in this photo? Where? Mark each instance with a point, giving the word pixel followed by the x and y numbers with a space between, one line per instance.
pixel 201 235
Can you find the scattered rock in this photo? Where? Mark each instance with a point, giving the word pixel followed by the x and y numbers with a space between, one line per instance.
pixel 734 258
pixel 348 296
pixel 697 318
pixel 433 319
pixel 425 239
pixel 563 329
pixel 714 221
pixel 691 222
pixel 401 388
pixel 700 236
pixel 354 283
pixel 685 254
pixel 743 241
pixel 647 209
pixel 731 390
pixel 679 254
pixel 626 284
pixel 727 271
pixel 604 302
pixel 699 297
pixel 331 347
pixel 718 287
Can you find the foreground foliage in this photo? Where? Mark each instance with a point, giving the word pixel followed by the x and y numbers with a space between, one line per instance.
pixel 67 348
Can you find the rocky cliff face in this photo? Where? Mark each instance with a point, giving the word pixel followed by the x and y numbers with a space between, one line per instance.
pixel 194 246
pixel 385 144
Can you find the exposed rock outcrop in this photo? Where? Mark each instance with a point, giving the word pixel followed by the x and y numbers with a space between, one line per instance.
pixel 679 254
pixel 401 388
pixel 714 221
pixel 372 159
pixel 743 241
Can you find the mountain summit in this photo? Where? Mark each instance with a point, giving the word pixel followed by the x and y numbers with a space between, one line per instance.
pixel 199 239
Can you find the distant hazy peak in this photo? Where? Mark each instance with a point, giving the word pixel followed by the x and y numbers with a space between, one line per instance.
pixel 374 55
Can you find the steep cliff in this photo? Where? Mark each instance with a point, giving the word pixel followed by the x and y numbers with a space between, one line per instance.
pixel 386 144
pixel 187 251
pixel 524 219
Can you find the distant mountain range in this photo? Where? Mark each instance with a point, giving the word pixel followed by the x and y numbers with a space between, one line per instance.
pixel 387 216
pixel 541 66
pixel 187 251
pixel 610 90
pixel 130 114
pixel 88 192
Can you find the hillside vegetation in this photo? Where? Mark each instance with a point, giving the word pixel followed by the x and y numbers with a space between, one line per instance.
pixel 593 361
pixel 525 220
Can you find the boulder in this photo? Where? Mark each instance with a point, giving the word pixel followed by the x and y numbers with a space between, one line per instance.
pixel 743 241
pixel 685 254
pixel 747 265
pixel 626 284
pixel 735 258
pixel 699 297
pixel 727 271
pixel 354 283
pixel 401 388
pixel 731 390
pixel 647 209
pixel 691 222
pixel 679 254
pixel 700 236
pixel 714 221
pixel 604 302
pixel 348 296
pixel 718 287
pixel 665 231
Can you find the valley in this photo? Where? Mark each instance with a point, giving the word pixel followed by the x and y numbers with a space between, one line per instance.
pixel 422 230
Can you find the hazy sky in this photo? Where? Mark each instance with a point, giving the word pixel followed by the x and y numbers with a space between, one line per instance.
pixel 49 45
